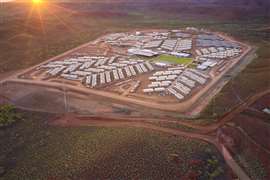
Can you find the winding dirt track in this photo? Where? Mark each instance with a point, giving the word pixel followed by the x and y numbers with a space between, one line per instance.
pixel 199 128
pixel 146 123
pixel 200 134
pixel 103 123
pixel 253 141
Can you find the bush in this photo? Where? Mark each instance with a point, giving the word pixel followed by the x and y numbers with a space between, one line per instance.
pixel 8 115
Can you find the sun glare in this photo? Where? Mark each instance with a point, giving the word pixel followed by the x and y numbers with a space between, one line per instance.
pixel 41 10
pixel 37 2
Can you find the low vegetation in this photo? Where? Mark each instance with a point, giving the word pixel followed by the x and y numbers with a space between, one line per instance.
pixel 253 166
pixel 34 150
pixel 8 115
pixel 204 162
pixel 173 125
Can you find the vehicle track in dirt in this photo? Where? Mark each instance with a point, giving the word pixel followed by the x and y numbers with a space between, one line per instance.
pixel 74 121
pixel 202 129
pixel 200 134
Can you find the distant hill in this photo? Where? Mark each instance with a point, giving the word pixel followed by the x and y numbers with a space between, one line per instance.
pixel 261 3
pixel 251 3
pixel 221 9
pixel 232 3
pixel 251 6
pixel 195 2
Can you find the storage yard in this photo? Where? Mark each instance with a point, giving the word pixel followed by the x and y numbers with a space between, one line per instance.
pixel 162 66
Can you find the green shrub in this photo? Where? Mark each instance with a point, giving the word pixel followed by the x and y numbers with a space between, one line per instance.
pixel 8 115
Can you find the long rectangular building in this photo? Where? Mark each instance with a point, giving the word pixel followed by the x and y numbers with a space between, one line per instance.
pixel 149 66
pixel 139 68
pixel 88 81
pixel 102 78
pixel 132 70
pixel 94 80
pixel 128 71
pixel 121 75
pixel 108 76
pixel 115 75
pixel 143 68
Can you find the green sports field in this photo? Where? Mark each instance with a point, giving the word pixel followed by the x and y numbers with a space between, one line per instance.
pixel 173 59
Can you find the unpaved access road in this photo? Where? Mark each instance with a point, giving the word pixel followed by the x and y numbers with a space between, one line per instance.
pixel 73 121
pixel 146 123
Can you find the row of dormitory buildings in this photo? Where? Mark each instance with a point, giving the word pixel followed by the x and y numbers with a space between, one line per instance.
pixel 219 53
pixel 210 57
pixel 158 40
pixel 107 77
pixel 177 45
pixel 180 86
pixel 96 71
pixel 178 42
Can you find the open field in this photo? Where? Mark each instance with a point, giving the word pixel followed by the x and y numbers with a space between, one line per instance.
pixel 172 59
pixel 31 149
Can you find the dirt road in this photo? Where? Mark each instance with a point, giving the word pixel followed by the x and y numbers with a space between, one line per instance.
pixel 146 123
pixel 73 121
pixel 199 128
